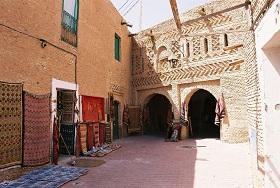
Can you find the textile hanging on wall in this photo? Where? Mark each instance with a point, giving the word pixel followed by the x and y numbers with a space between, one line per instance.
pixel 111 106
pixel 66 106
pixel 134 119
pixel 78 141
pixel 90 137
pixel 55 142
pixel 108 136
pixel 36 135
pixel 83 130
pixel 145 116
pixel 125 116
pixel 170 117
pixel 92 108
pixel 220 110
pixel 184 113
pixel 10 124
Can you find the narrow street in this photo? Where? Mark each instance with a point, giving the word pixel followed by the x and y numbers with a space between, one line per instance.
pixel 148 161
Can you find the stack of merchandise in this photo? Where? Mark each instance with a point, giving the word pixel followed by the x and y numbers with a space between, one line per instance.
pixel 102 150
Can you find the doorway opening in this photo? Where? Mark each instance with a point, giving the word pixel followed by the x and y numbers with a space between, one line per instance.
pixel 66 100
pixel 158 108
pixel 202 114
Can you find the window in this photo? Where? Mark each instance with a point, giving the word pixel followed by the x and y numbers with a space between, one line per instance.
pixel 117 48
pixel 205 45
pixel 69 21
pixel 188 50
pixel 225 40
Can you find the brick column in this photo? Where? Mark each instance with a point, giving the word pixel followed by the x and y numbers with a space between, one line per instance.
pixel 175 97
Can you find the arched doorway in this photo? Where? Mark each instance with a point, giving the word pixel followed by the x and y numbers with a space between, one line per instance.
pixel 202 113
pixel 158 108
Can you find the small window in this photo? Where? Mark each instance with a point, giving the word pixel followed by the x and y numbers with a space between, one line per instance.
pixel 225 40
pixel 205 45
pixel 69 21
pixel 142 64
pixel 188 50
pixel 117 48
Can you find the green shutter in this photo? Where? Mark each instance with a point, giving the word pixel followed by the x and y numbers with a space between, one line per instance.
pixel 117 48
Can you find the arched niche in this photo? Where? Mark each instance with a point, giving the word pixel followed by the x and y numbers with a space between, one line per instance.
pixel 162 57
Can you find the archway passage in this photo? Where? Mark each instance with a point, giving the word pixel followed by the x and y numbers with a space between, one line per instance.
pixel 202 114
pixel 158 108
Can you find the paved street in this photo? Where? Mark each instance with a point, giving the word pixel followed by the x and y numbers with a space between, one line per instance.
pixel 148 161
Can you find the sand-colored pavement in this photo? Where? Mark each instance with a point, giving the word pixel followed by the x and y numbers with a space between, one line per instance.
pixel 148 161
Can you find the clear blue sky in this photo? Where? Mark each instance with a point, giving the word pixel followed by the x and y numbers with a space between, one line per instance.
pixel 153 11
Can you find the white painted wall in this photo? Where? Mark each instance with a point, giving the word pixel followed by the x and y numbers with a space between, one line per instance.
pixel 268 58
pixel 59 84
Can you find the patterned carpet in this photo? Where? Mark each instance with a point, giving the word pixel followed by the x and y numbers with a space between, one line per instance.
pixel 36 150
pixel 52 176
pixel 10 124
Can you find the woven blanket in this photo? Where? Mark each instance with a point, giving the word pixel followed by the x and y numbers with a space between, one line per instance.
pixel 134 118
pixel 125 116
pixel 78 141
pixel 68 134
pixel 36 133
pixel 83 130
pixel 55 142
pixel 10 124
pixel 90 138
pixel 52 176
pixel 92 108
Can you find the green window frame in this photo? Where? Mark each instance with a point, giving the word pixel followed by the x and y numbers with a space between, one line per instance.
pixel 69 21
pixel 117 47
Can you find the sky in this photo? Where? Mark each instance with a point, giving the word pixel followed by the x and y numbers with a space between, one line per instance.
pixel 153 11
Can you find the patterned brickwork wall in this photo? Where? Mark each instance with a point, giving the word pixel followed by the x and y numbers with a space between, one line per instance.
pixel 259 8
pixel 257 137
pixel 267 51
pixel 145 95
pixel 202 60
pixel 187 90
pixel 254 109
pixel 234 125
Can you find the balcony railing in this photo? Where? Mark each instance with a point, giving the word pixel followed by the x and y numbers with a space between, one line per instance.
pixel 69 28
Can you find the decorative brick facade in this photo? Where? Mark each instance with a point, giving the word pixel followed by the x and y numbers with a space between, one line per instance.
pixel 214 63
pixel 224 62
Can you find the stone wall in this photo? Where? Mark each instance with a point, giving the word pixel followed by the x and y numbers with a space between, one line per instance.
pixel 253 90
pixel 213 62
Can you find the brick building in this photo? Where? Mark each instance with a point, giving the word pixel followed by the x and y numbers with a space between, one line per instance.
pixel 263 121
pixel 65 49
pixel 238 61
pixel 224 53
pixel 195 69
